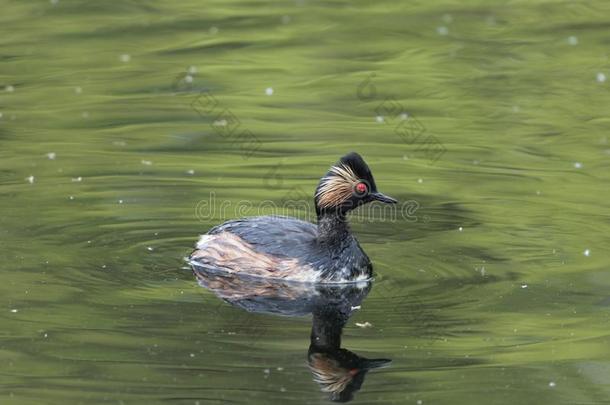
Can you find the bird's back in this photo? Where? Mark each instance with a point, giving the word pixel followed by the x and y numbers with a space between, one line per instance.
pixel 274 235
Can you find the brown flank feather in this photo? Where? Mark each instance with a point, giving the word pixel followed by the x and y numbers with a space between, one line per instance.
pixel 232 254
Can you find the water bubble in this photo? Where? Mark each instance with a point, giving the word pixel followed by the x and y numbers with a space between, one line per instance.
pixel 188 79
pixel 150 248
pixel 379 119
pixel 85 114
pixel 420 181
pixel 191 172
pixel 269 91
pixel 192 70
pixel 572 40
pixel 213 30
pixel 77 179
pixel 460 229
pixel 51 155
pixel 9 89
pixel 442 30
pixel 30 179
pixel 120 201
pixel 14 311
pixel 147 162
pixel 78 90
pixel 552 384
pixel 364 325
pixel 404 116
pixel 577 165
pixel 125 58
pixel 523 285
pixel 601 77
pixel 54 2
pixel 587 252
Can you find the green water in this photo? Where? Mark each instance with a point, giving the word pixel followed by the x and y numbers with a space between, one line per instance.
pixel 119 117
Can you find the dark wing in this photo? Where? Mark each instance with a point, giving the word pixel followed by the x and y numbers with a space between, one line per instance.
pixel 275 235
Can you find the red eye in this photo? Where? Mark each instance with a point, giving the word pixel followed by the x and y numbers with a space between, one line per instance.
pixel 361 188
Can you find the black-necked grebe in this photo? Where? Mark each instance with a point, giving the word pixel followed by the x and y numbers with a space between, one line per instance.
pixel 290 249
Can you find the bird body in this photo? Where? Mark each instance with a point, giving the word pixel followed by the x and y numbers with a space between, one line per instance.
pixel 282 248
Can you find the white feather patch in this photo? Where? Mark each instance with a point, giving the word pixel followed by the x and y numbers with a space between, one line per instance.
pixel 203 240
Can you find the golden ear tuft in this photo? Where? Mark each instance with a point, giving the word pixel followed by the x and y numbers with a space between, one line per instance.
pixel 337 186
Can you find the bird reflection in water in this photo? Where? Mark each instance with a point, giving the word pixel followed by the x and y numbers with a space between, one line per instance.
pixel 339 372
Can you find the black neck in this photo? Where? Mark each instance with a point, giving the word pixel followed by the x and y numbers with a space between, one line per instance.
pixel 332 227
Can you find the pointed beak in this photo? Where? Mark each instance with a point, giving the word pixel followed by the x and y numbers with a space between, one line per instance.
pixel 383 198
pixel 377 363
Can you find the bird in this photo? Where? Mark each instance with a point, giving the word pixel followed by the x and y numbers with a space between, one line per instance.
pixel 290 249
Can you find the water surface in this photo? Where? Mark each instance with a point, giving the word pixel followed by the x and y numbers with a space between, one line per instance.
pixel 125 125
